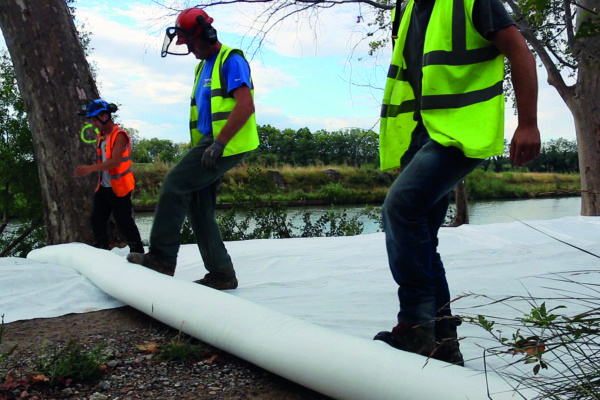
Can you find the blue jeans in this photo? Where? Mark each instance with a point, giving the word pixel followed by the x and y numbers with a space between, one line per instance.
pixel 413 212
pixel 190 191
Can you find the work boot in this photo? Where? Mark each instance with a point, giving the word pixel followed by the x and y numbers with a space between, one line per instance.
pixel 448 350
pixel 136 247
pixel 152 262
pixel 446 337
pixel 214 281
pixel 412 338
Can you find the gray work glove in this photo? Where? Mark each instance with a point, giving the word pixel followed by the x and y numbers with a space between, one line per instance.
pixel 211 156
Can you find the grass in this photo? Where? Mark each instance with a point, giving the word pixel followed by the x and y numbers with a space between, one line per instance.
pixel 181 349
pixel 366 185
pixel 70 362
pixel 4 355
pixel 557 338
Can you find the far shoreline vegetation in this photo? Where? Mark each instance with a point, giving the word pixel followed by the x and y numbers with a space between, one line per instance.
pixel 300 167
pixel 348 185
pixel 289 168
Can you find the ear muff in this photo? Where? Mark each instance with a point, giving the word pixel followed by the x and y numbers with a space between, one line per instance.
pixel 208 32
pixel 112 108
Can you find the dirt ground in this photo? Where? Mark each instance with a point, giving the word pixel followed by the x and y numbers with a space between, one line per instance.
pixel 130 373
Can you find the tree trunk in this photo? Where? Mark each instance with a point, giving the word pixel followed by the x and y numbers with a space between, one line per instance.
pixel 585 106
pixel 586 112
pixel 54 79
pixel 462 205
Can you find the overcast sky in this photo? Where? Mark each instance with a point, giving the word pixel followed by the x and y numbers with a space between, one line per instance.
pixel 314 73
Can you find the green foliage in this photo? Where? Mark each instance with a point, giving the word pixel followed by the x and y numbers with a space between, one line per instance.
pixel 151 150
pixel 20 189
pixel 70 362
pixel 336 223
pixel 562 349
pixel 557 156
pixel 4 355
pixel 20 192
pixel 181 349
pixel 20 241
pixel 254 216
pixel 354 147
pixel 481 185
pixel 589 26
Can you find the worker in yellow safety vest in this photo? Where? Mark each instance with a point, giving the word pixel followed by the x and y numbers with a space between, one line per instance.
pixel 223 130
pixel 442 115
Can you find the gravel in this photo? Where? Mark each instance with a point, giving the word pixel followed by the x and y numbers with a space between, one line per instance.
pixel 133 368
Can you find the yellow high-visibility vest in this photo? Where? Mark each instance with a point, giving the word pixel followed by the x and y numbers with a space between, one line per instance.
pixel 462 101
pixel 222 103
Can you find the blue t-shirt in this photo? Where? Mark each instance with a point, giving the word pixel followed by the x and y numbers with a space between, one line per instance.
pixel 236 72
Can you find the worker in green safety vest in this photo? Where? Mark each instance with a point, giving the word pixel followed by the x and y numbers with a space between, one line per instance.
pixel 442 115
pixel 223 130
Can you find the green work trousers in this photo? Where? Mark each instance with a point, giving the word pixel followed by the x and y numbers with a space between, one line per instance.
pixel 190 191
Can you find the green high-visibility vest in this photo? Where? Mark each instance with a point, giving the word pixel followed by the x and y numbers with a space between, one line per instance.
pixel 462 102
pixel 221 104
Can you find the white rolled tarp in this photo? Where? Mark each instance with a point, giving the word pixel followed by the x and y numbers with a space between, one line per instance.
pixel 337 365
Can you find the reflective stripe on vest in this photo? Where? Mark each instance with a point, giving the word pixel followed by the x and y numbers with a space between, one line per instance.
pixel 222 103
pixel 462 101
pixel 121 177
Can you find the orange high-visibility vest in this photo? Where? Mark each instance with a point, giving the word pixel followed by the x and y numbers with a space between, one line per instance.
pixel 121 178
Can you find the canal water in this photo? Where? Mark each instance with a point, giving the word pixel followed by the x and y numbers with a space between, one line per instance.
pixel 483 212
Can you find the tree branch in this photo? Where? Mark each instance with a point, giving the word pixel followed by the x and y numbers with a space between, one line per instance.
pixel 554 77
pixel 34 224
pixel 569 23
pixel 328 3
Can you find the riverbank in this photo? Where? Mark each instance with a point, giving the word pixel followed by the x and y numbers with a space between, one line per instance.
pixel 343 185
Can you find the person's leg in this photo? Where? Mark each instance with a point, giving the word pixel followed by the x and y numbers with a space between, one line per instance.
pixel 208 234
pixel 185 177
pixel 411 238
pixel 175 197
pixel 99 218
pixel 445 329
pixel 201 214
pixel 122 210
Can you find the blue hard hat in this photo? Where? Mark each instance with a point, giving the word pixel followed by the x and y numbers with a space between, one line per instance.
pixel 96 107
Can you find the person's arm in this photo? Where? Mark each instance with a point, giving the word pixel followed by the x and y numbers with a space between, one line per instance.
pixel 525 145
pixel 113 162
pixel 242 111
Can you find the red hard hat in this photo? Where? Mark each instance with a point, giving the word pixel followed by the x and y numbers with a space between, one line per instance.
pixel 188 22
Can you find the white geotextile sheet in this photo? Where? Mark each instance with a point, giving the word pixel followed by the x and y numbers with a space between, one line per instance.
pixel 344 283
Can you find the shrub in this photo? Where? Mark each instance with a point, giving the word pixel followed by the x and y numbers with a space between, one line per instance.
pixel 563 349
pixel 181 350
pixel 70 362
pixel 4 355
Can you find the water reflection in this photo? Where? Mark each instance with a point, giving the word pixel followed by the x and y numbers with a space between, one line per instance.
pixel 483 212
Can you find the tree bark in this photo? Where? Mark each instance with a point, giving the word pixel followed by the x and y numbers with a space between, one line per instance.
pixel 54 79
pixel 462 205
pixel 585 106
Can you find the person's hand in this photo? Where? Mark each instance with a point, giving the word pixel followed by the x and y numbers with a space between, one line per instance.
pixel 525 146
pixel 83 170
pixel 211 156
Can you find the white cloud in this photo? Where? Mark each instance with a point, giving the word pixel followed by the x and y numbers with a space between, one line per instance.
pixel 267 78
pixel 305 73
